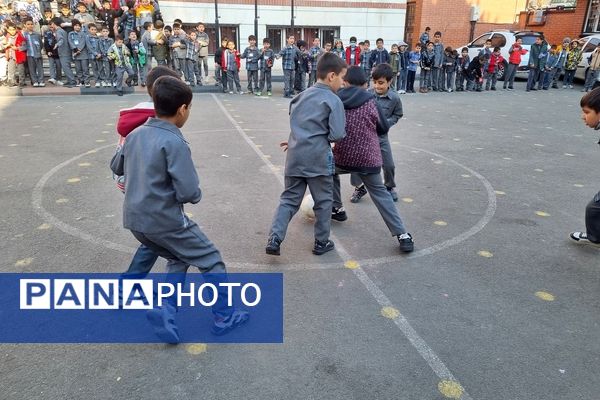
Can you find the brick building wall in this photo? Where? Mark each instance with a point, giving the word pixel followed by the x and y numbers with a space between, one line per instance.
pixel 558 24
pixel 452 17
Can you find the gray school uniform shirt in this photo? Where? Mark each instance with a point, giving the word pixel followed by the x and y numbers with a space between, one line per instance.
pixel 77 41
pixel 62 42
pixel 157 164
pixel 390 105
pixel 317 118
pixel 34 44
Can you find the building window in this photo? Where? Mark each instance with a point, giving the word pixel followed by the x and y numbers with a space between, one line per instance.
pixel 279 35
pixel 231 32
pixel 593 17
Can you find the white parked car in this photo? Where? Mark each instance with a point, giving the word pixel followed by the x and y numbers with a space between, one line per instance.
pixel 504 39
pixel 588 43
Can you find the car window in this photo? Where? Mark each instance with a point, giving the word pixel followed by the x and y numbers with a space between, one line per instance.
pixel 480 41
pixel 591 45
pixel 498 40
pixel 528 39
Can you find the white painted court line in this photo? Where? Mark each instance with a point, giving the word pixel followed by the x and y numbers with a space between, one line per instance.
pixel 438 367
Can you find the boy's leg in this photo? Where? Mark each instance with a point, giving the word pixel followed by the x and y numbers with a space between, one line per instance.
pixel 494 79
pixel 268 74
pixel 12 70
pixel 21 72
pixel 189 71
pixel 434 74
pixel 261 83
pixel 488 78
pixel 389 169
pixel 65 64
pixel 249 86
pixel 236 79
pixel 592 219
pixel 230 82
pixel 32 69
pixel 321 189
pixel 204 61
pixel 403 79
pixel 119 72
pixel 384 203
pixel 288 81
pixel 337 192
pixel 289 202
pixel 85 65
pixel 142 262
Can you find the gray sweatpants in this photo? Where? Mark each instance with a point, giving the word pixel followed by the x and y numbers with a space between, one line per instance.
pixel 321 189
pixel 36 69
pixel 252 77
pixel 185 247
pixel 379 195
pixel 82 69
pixel 389 169
pixel 65 64
pixel 288 82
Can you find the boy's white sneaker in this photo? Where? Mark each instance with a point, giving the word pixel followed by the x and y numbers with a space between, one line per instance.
pixel 581 238
pixel 52 81
pixel 402 91
pixel 35 84
pixel 41 84
pixel 97 84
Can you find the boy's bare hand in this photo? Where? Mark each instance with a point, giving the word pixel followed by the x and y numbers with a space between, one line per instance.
pixel 284 146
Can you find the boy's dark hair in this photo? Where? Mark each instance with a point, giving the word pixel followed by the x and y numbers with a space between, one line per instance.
pixel 482 57
pixel 168 28
pixel 591 100
pixel 177 21
pixel 328 63
pixel 134 32
pixel 81 3
pixel 56 21
pixel 147 25
pixel 252 37
pixel 427 29
pixel 464 49
pixel 438 33
pixel 159 24
pixel 361 43
pixel 92 25
pixel 554 47
pixel 119 37
pixel 496 48
pixel 383 71
pixel 379 40
pixel 105 27
pixel 418 45
pixel 291 35
pixel 75 22
pixel 430 43
pixel 353 38
pixel 301 43
pixel 199 23
pixel 448 49
pixel 266 40
pixel 355 76
pixel 157 72
pixel 176 25
pixel 367 41
pixel 488 40
pixel 130 4
pixel 169 94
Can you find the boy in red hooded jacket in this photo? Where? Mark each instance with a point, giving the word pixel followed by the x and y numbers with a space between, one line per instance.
pixel 491 74
pixel 15 48
pixel 353 53
pixel 514 60
pixel 230 63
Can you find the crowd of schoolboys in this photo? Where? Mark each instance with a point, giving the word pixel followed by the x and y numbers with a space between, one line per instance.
pixel 104 39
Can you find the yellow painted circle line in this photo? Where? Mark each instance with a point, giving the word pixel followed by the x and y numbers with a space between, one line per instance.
pixel 450 389
pixel 351 264
pixel 390 312
pixel 407 200
pixel 542 214
pixel 189 214
pixel 579 185
pixel 196 348
pixel 499 192
pixel 544 296
pixel 73 180
pixel 485 253
pixel 440 223
pixel 62 201
pixel 84 164
pixel 24 262
pixel 44 227
pixel 538 170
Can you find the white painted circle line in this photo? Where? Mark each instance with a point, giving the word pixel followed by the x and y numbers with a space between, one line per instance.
pixel 438 367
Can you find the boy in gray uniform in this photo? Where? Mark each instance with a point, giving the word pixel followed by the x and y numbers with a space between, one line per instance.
pixel 252 54
pixel 178 42
pixel 81 58
pixel 316 119
pixel 63 50
pixel 34 54
pixel 391 105
pixel 154 199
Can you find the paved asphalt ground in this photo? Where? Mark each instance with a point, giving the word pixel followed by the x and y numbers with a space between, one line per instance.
pixel 495 303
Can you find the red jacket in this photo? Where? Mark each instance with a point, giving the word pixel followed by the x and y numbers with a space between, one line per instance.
pixel 356 55
pixel 494 63
pixel 20 55
pixel 131 118
pixel 224 59
pixel 515 54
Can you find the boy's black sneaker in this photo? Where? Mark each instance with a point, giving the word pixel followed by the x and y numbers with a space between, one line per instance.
pixel 406 243
pixel 322 247
pixel 339 214
pixel 224 325
pixel 273 245
pixel 359 193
